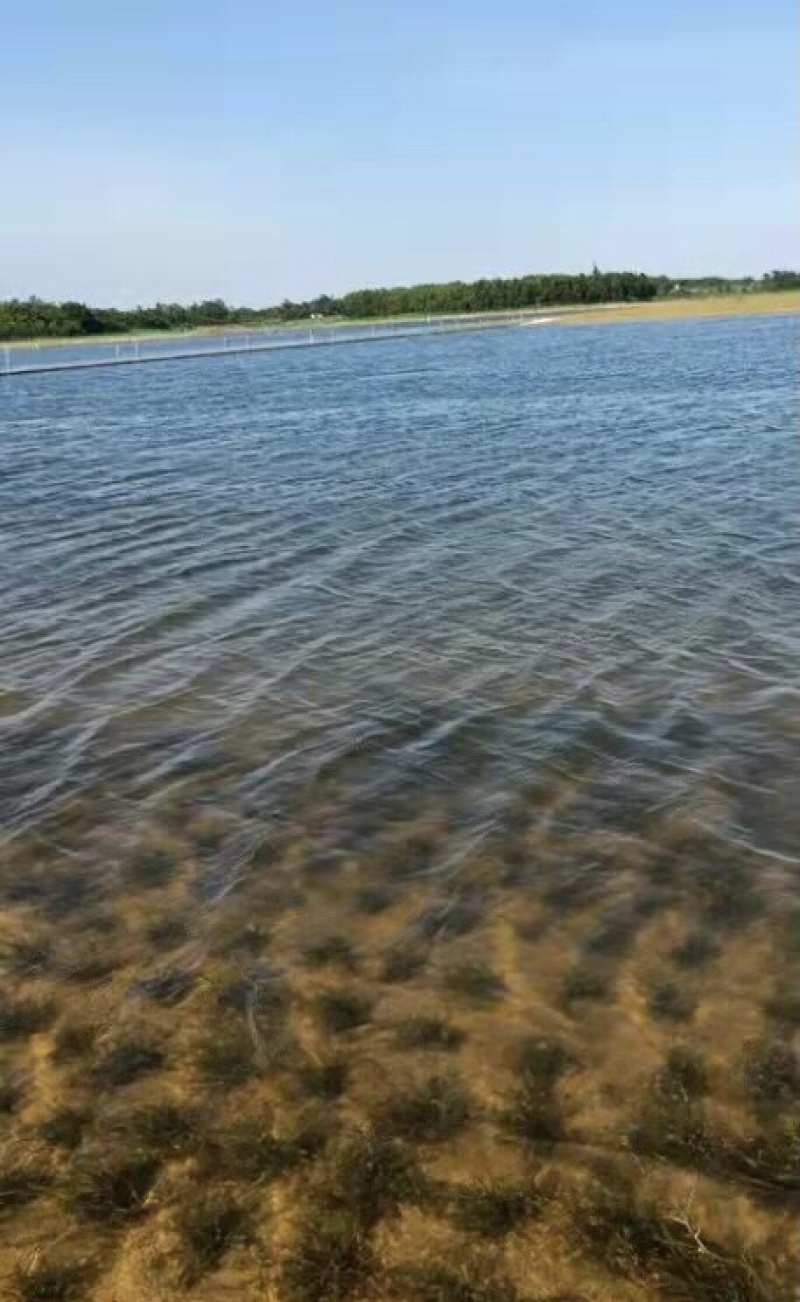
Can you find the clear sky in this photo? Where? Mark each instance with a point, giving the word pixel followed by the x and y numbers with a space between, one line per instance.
pixel 250 149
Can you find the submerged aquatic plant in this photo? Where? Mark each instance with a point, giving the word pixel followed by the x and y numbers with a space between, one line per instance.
pixel 166 1127
pixel 64 1128
pixel 342 1010
pixel 330 1259
pixel 771 1073
pixel 474 981
pixel 226 1056
pixel 433 1110
pixel 74 1038
pixel 697 949
pixel 167 932
pixel 126 1062
pixel 368 1177
pixel 586 983
pixel 22 1180
pixel 534 1115
pixel 209 1224
pixel 435 1283
pixel 401 963
pixel 493 1210
pixel 543 1061
pixel 251 1150
pixel 28 958
pixel 683 1076
pixel 324 1080
pixel 43 1279
pixel 149 868
pixel 429 1032
pixel 21 1018
pixel 374 899
pixel 666 1247
pixel 669 1002
pixel 112 1185
pixel 334 950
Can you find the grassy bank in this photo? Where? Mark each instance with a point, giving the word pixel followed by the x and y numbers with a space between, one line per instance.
pixel 681 308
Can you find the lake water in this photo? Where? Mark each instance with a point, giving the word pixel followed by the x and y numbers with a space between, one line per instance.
pixel 398 777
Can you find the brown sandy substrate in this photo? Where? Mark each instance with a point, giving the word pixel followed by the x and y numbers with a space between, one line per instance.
pixel 563 1068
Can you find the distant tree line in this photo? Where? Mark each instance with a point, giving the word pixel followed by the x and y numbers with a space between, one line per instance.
pixel 34 318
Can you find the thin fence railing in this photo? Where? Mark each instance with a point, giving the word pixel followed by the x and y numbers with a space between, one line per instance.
pixel 40 357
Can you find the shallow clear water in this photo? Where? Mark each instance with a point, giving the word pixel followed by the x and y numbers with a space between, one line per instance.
pixel 495 631
pixel 467 558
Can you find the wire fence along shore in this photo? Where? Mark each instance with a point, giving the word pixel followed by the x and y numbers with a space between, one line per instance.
pixel 35 358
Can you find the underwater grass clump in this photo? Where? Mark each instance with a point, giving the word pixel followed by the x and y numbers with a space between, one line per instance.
pixel 493 1210
pixel 730 898
pixel 585 984
pixel 369 1176
pixel 10 1093
pixel 372 900
pixel 332 951
pixel 407 857
pixel 75 1037
pixel 112 1186
pixel 21 1018
pixel 401 963
pixel 474 981
pixel 165 1127
pixel 435 1283
pixel 225 1056
pixel 542 1061
pixel 696 950
pixel 22 1180
pixel 456 915
pixel 338 1011
pixel 208 1225
pixel 168 987
pixel 167 932
pixel 63 893
pixel 428 1032
pixel 149 869
pixel 784 1008
pixel 429 1112
pixel 771 1074
pixel 662 1246
pixel 614 937
pixel 323 1079
pixel 534 1113
pixel 672 1125
pixel 684 1075
pixel 64 1128
pixel 249 1150
pixel 127 1062
pixel 769 1162
pixel 89 969
pixel 670 1002
pixel 331 1259
pixel 42 1279
pixel 28 958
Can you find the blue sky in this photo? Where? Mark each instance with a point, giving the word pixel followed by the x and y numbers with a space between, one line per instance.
pixel 256 150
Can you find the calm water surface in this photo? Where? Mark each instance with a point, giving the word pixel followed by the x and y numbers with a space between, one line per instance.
pixel 479 650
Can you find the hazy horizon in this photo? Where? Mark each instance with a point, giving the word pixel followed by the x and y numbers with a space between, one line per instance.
pixel 255 156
